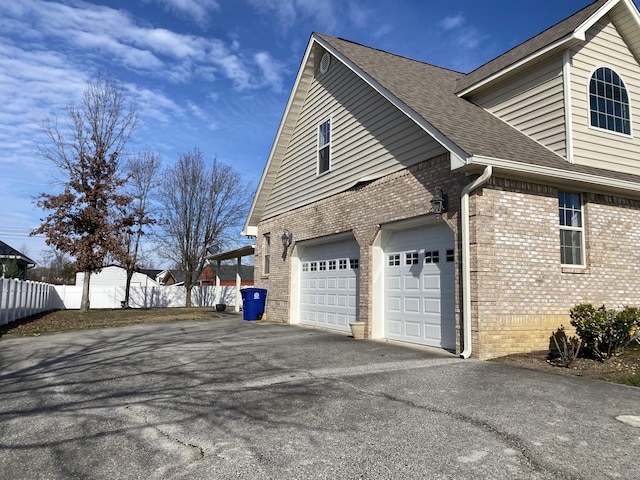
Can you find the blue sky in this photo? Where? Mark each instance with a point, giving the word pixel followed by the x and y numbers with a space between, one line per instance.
pixel 215 74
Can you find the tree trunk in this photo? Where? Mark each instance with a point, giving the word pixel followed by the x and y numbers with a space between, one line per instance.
pixel 127 288
pixel 84 304
pixel 187 285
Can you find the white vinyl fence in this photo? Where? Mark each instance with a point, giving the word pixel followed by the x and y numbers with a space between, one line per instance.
pixel 144 297
pixel 19 299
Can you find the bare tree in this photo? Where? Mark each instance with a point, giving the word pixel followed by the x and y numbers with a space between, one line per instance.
pixel 202 205
pixel 84 219
pixel 55 267
pixel 143 175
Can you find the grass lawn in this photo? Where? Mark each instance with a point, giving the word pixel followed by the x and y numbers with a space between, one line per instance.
pixel 68 320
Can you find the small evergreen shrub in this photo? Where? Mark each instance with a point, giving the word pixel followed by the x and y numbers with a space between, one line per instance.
pixel 604 333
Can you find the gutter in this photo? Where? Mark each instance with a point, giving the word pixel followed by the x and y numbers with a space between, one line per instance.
pixel 466 268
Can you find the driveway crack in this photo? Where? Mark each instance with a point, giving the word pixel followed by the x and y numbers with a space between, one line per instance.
pixel 513 441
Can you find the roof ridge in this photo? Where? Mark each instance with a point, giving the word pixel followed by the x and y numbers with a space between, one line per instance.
pixel 531 42
pixel 404 57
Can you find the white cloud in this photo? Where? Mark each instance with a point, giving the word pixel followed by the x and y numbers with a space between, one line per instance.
pixel 271 70
pixel 463 35
pixel 326 15
pixel 197 10
pixel 105 32
pixel 452 21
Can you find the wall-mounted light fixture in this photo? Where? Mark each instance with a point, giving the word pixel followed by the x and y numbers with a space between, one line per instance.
pixel 287 239
pixel 439 202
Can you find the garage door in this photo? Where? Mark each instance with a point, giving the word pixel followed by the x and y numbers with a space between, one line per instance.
pixel 329 285
pixel 420 286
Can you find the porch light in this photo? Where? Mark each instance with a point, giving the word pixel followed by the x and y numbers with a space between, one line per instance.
pixel 439 202
pixel 287 239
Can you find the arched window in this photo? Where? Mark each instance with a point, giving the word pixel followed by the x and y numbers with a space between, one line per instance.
pixel 609 101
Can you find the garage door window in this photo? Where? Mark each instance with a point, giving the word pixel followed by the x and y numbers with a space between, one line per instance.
pixel 411 258
pixel 432 257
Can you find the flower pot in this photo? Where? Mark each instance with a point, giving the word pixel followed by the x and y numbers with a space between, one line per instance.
pixel 357 329
pixel 220 307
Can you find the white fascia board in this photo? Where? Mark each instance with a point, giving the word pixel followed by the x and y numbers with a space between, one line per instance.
pixel 458 156
pixel 566 40
pixel 251 230
pixel 581 32
pixel 527 169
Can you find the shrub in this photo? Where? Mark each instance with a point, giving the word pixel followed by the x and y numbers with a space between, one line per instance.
pixel 567 348
pixel 603 332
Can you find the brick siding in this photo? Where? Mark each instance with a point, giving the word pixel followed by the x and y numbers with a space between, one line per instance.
pixel 520 293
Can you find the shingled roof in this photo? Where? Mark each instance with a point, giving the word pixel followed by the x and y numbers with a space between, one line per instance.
pixel 541 41
pixel 430 92
pixel 9 253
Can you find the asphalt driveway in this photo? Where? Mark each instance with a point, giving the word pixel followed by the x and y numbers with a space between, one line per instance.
pixel 230 399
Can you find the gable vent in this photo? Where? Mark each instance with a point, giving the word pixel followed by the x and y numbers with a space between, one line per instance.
pixel 324 63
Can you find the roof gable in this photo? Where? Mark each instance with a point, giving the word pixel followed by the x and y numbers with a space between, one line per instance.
pixel 433 98
pixel 559 36
pixel 9 253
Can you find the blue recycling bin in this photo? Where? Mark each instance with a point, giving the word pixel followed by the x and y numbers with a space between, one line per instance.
pixel 253 302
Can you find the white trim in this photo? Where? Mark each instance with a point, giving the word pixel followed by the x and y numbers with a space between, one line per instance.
pixel 578 35
pixel 557 174
pixel 588 93
pixel 581 31
pixel 466 256
pixel 248 229
pixel 568 111
pixel 458 156
pixel 583 254
pixel 518 64
pixel 330 120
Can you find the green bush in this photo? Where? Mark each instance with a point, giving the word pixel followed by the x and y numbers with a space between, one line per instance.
pixel 604 333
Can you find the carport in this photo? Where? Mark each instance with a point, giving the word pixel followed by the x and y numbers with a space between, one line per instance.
pixel 238 253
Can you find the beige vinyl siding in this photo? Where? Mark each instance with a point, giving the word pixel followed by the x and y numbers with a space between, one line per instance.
pixel 533 103
pixel 592 146
pixel 370 138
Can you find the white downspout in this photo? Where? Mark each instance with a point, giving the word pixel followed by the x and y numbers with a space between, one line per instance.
pixel 466 268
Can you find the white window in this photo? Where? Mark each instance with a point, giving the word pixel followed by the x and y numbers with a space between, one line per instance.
pixel 394 260
pixel 609 102
pixel 266 253
pixel 324 146
pixel 571 228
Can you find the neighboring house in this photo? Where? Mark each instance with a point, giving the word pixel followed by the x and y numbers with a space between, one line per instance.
pixel 536 154
pixel 13 262
pixel 161 277
pixel 227 275
pixel 116 276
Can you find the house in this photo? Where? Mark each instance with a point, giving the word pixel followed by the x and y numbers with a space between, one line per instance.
pixel 116 276
pixel 14 263
pixel 469 211
pixel 227 275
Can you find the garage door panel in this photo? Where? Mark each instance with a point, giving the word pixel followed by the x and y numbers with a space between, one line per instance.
pixel 411 304
pixel 411 283
pixel 394 304
pixel 413 330
pixel 394 283
pixel 420 286
pixel 394 327
pixel 329 284
pixel 432 306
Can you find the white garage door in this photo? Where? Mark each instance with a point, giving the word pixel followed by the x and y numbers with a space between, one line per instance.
pixel 329 285
pixel 420 286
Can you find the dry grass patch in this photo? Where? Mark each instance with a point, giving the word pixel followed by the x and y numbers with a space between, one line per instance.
pixel 68 320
